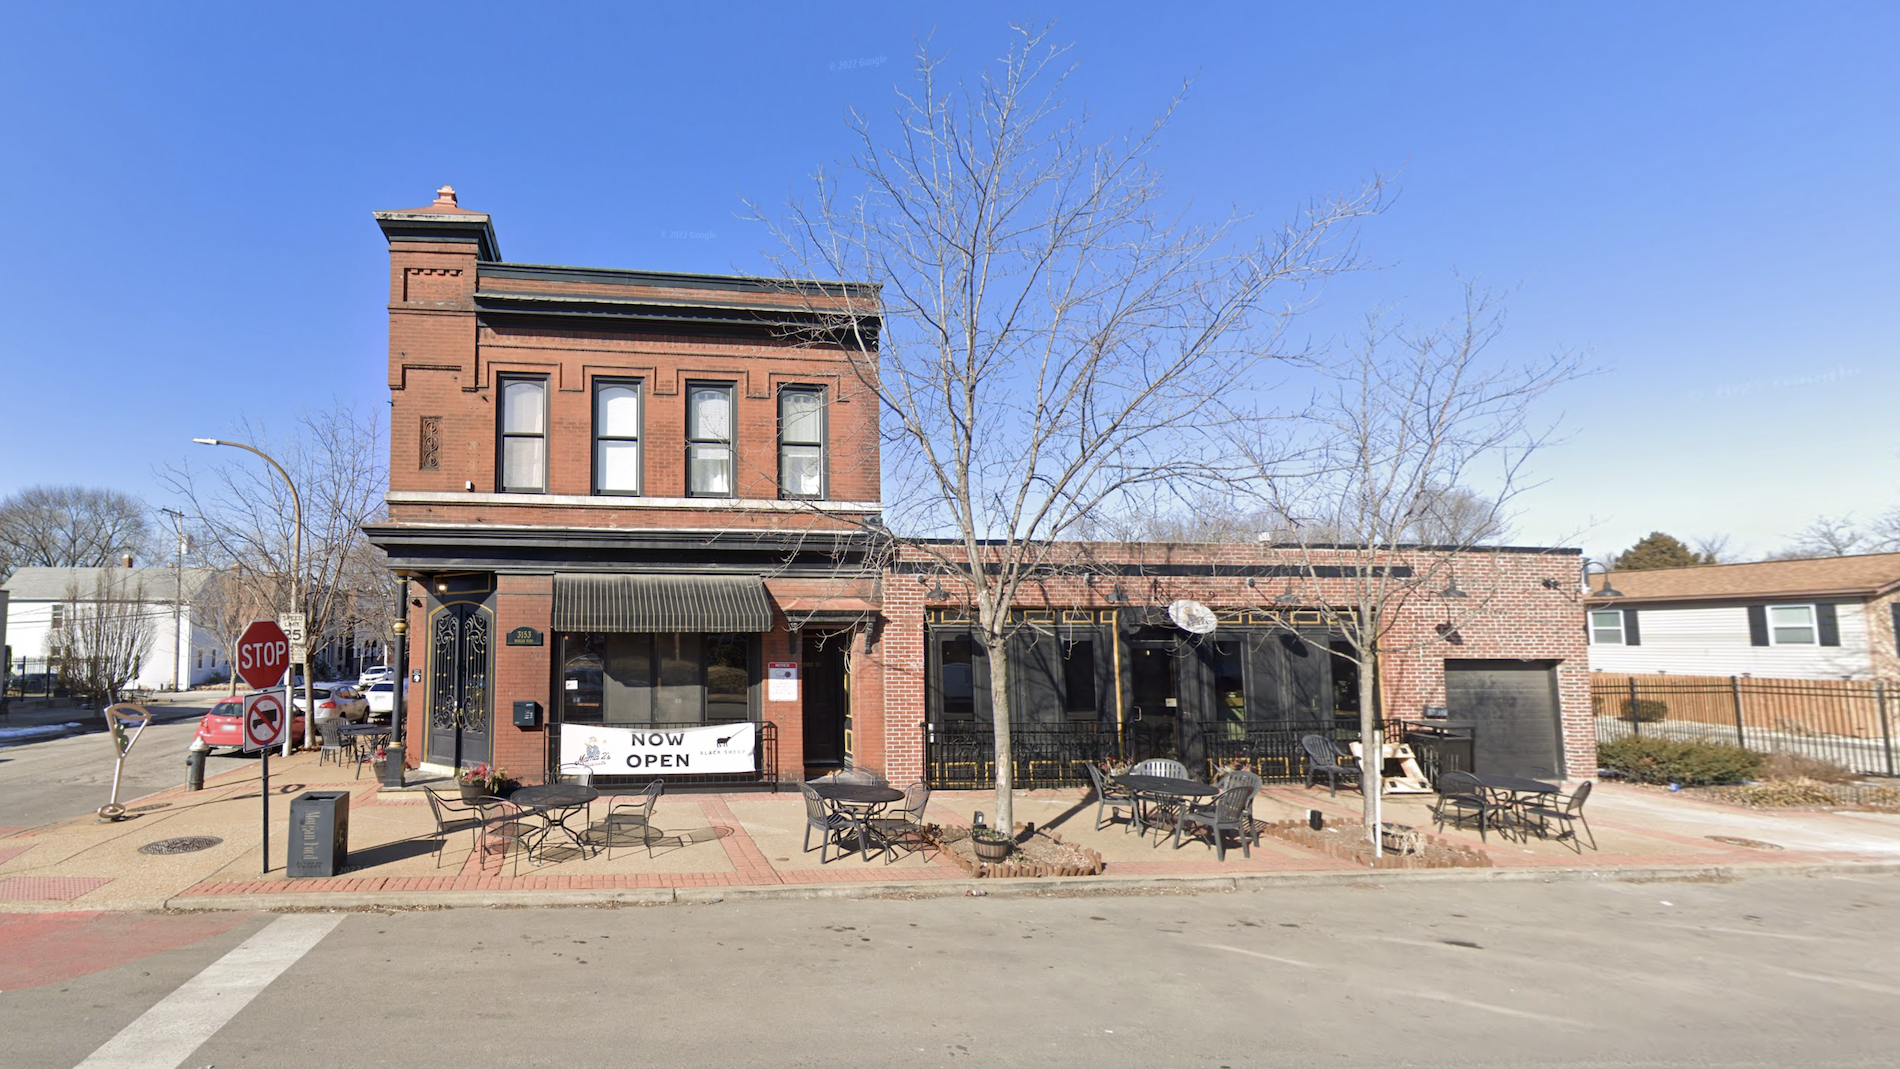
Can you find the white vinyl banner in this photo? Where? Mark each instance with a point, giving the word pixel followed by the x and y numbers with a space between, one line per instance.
pixel 680 751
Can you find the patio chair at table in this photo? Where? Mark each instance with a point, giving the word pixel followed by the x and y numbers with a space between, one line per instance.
pixel 1462 798
pixel 862 776
pixel 583 775
pixel 1157 811
pixel 1241 778
pixel 635 812
pixel 1109 798
pixel 334 747
pixel 1324 759
pixel 1564 809
pixel 1228 813
pixel 1160 766
pixel 906 826
pixel 507 828
pixel 830 822
pixel 444 810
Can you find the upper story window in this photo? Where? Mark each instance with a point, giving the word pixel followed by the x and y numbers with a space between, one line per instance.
pixel 801 441
pixel 709 431
pixel 1791 625
pixel 1606 627
pixel 616 437
pixel 524 436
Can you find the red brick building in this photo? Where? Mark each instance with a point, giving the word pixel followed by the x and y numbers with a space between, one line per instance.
pixel 629 513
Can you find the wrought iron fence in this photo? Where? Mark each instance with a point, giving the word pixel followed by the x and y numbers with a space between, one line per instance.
pixel 1845 722
pixel 36 677
pixel 765 763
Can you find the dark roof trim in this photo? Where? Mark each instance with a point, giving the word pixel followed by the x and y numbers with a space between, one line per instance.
pixel 674 279
pixel 661 603
pixel 411 226
pixel 1724 601
pixel 1216 571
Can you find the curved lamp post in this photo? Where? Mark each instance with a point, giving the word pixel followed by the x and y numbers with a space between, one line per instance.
pixel 1603 570
pixel 296 567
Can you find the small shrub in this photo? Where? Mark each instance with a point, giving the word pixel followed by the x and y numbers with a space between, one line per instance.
pixel 1783 792
pixel 1788 766
pixel 1645 710
pixel 1650 760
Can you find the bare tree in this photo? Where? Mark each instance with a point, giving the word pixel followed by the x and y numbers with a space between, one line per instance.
pixel 1828 536
pixel 247 525
pixel 1712 548
pixel 1404 422
pixel 226 604
pixel 70 527
pixel 1053 341
pixel 106 634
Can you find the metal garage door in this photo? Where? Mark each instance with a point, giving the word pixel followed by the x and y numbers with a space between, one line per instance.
pixel 1513 707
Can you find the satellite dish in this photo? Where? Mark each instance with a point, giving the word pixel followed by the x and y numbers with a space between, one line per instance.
pixel 1192 617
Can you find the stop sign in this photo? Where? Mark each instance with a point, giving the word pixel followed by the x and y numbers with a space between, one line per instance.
pixel 262 654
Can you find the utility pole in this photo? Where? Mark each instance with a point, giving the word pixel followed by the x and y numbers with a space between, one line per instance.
pixel 178 594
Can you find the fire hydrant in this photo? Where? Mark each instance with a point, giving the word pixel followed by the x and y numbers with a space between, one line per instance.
pixel 195 765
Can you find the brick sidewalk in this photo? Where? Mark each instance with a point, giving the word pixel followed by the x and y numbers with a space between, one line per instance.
pixel 754 841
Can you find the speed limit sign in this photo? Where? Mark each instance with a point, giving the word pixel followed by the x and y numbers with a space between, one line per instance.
pixel 264 720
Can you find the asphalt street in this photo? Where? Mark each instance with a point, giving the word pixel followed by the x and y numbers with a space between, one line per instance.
pixel 44 781
pixel 1764 972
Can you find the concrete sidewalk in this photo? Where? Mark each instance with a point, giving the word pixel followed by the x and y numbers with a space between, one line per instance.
pixel 731 845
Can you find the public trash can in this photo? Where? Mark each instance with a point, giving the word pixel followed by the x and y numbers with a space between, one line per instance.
pixel 319 833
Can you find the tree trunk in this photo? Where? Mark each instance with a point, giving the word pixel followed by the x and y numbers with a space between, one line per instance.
pixel 999 715
pixel 1371 746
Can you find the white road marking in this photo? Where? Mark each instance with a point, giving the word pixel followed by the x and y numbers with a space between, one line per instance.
pixel 1881 989
pixel 1257 954
pixel 1488 1007
pixel 166 1034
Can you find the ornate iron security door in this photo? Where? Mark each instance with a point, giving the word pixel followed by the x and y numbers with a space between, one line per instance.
pixel 458 685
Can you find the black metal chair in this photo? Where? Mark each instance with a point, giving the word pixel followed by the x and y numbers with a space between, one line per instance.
pixel 862 776
pixel 1324 759
pixel 1461 798
pixel 580 774
pixel 831 821
pixel 1536 772
pixel 1109 798
pixel 636 811
pixel 1228 813
pixel 906 827
pixel 1241 778
pixel 1566 810
pixel 334 748
pixel 507 828
pixel 443 809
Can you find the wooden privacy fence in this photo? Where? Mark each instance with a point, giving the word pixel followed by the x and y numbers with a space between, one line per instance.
pixel 1846 721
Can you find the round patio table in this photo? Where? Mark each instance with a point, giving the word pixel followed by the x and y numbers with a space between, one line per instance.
pixel 557 802
pixel 1521 791
pixel 866 800
pixel 1163 788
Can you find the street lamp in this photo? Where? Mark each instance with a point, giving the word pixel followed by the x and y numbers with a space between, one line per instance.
pixel 296 567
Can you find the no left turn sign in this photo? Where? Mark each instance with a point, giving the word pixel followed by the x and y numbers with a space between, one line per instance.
pixel 264 720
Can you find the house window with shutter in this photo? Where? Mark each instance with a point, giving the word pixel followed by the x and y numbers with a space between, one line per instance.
pixel 1606 627
pixel 1792 625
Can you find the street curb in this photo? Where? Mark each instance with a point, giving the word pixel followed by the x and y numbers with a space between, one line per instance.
pixel 1077 886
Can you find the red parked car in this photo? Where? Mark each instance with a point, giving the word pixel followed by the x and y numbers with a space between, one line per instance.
pixel 223 727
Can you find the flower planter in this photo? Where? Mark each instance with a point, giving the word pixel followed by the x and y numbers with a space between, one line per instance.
pixel 989 851
pixel 472 791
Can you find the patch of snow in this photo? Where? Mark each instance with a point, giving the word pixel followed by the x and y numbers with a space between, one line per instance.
pixel 34 731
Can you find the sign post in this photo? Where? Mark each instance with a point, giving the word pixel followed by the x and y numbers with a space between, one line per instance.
pixel 263 654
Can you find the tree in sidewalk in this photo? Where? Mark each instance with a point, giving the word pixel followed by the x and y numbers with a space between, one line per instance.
pixel 1374 489
pixel 70 527
pixel 1659 550
pixel 1050 339
pixel 106 632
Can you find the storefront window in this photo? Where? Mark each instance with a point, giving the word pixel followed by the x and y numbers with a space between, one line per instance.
pixel 956 681
pixel 1230 690
pixel 1078 676
pixel 634 680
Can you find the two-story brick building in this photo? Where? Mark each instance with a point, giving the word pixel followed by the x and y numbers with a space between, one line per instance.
pixel 630 500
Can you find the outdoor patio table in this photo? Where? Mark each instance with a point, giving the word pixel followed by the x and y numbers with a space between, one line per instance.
pixel 363 740
pixel 1162 788
pixel 1520 789
pixel 557 802
pixel 866 800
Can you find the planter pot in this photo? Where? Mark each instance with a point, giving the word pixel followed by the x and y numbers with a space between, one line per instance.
pixel 988 851
pixel 472 791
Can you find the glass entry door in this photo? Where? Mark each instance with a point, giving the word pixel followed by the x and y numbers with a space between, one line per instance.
pixel 458 685
pixel 1154 724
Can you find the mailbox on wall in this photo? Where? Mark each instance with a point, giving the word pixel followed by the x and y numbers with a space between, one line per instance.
pixel 527 714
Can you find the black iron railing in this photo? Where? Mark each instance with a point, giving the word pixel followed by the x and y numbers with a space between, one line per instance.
pixel 1850 723
pixel 962 755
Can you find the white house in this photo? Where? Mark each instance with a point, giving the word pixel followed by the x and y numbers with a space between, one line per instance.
pixel 182 652
pixel 1827 618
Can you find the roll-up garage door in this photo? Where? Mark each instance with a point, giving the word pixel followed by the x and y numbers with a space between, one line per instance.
pixel 1512 707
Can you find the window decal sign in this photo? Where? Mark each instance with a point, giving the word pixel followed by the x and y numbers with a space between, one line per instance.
pixel 662 751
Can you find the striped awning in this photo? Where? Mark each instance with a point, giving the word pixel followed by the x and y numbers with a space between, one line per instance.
pixel 661 603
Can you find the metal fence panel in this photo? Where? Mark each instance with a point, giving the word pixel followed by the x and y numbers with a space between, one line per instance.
pixel 1845 722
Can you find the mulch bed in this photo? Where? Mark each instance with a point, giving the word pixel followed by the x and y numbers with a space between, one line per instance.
pixel 1041 854
pixel 1792 794
pixel 1347 842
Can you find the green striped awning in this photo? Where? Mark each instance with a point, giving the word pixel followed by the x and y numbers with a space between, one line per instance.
pixel 661 603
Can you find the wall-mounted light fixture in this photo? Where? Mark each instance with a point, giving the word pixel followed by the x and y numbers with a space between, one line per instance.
pixel 1287 596
pixel 1451 589
pixel 1607 591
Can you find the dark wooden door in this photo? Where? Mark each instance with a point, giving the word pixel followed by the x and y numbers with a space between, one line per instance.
pixel 827 703
pixel 1154 719
pixel 459 660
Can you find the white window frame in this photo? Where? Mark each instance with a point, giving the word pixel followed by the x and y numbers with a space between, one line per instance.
pixel 1813 626
pixel 638 387
pixel 1597 631
pixel 697 439
pixel 821 443
pixel 502 434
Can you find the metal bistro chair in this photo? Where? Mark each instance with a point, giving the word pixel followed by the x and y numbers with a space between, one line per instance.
pixel 637 812
pixel 1324 759
pixel 861 776
pixel 507 828
pixel 1109 798
pixel 906 827
pixel 1461 797
pixel 580 774
pixel 445 822
pixel 334 747
pixel 1565 809
pixel 830 821
pixel 1228 813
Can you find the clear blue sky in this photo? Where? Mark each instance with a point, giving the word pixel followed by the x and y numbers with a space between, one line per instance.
pixel 1701 195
